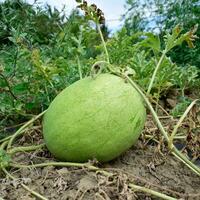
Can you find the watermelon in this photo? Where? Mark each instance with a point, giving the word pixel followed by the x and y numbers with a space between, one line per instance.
pixel 94 119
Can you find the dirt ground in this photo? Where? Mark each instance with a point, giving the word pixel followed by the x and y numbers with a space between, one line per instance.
pixel 140 165
pixel 147 164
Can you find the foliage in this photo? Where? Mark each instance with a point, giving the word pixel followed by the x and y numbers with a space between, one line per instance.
pixel 180 108
pixel 37 61
pixel 31 64
pixel 38 25
pixel 160 17
pixel 141 52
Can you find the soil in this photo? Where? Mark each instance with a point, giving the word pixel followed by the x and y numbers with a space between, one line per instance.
pixel 147 164
pixel 140 165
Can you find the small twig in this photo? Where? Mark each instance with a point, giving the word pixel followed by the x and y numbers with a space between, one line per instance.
pixel 3 145
pixel 9 137
pixel 99 196
pixel 18 132
pixel 180 122
pixel 103 42
pixel 33 192
pixel 24 186
pixel 185 160
pixel 157 104
pixel 25 149
pixel 9 127
pixel 155 72
pixel 165 117
pixel 57 164
pixel 5 139
pixel 9 87
pixel 160 126
pixel 150 191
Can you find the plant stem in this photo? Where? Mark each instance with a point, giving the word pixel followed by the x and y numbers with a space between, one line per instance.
pixel 180 122
pixel 19 131
pixel 103 42
pixel 57 164
pixel 79 68
pixel 33 192
pixel 8 138
pixel 24 186
pixel 46 90
pixel 25 149
pixel 9 87
pixel 5 139
pixel 160 126
pixel 158 105
pixel 3 145
pixel 155 72
pixel 175 151
pixel 185 160
pixel 152 192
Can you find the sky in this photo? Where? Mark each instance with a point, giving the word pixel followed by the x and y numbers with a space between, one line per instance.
pixel 113 9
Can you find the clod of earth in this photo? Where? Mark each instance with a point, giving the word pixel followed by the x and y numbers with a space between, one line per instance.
pixel 94 118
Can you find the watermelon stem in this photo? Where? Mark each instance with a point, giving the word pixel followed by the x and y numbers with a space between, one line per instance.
pixel 20 130
pixel 155 71
pixel 103 42
pixel 169 140
pixel 180 122
pixel 25 149
pixel 150 191
pixel 172 148
pixel 57 164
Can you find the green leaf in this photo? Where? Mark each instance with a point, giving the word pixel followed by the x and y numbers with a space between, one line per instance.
pixel 29 106
pixel 152 41
pixel 20 88
pixel 180 108
pixel 171 39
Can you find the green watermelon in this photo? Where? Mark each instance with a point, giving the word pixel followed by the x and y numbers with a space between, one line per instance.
pixel 94 118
